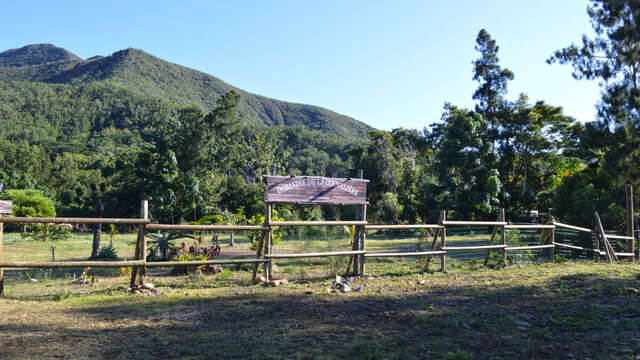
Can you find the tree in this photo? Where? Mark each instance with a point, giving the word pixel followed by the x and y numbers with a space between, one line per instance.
pixel 493 81
pixel 32 203
pixel 466 182
pixel 612 56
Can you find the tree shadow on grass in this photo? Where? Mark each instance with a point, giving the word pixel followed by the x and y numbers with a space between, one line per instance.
pixel 582 315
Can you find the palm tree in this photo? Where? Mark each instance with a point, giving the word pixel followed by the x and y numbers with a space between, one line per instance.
pixel 162 242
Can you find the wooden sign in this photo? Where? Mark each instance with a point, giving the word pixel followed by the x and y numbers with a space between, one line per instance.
pixel 316 190
pixel 6 207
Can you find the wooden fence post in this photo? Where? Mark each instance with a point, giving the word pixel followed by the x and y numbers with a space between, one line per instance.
pixel 611 255
pixel 1 259
pixel 142 230
pixel 493 237
pixel 358 234
pixel 503 236
pixel 631 242
pixel 552 251
pixel 363 236
pixel 141 244
pixel 443 240
pixel 267 267
pixel 596 240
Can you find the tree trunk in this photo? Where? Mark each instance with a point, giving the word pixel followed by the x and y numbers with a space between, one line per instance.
pixel 97 229
pixel 232 242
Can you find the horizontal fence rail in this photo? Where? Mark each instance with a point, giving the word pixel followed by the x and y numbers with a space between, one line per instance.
pixel 576 228
pixel 480 247
pixel 529 226
pixel 532 247
pixel 475 223
pixel 402 227
pixel 403 254
pixel 71 264
pixel 317 223
pixel 46 220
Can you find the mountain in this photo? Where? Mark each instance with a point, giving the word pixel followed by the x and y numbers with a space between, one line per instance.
pixel 140 72
pixel 34 55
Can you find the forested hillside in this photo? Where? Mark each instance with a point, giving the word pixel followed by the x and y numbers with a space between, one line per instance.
pixel 141 72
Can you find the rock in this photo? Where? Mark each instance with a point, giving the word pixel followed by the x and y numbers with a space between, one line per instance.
pixel 422 282
pixel 33 280
pixel 137 292
pixel 214 269
pixel 148 286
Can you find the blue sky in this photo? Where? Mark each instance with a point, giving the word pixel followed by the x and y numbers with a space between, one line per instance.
pixel 387 63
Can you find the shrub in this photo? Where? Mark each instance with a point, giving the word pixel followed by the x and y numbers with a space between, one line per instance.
pixel 106 253
pixel 44 232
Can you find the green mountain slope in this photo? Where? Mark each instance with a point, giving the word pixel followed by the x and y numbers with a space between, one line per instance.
pixel 32 55
pixel 145 74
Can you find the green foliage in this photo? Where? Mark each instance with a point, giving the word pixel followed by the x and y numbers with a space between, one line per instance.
pixel 107 253
pixel 45 232
pixel 29 203
pixel 161 246
pixel 258 219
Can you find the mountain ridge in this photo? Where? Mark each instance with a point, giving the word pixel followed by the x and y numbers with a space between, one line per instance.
pixel 142 72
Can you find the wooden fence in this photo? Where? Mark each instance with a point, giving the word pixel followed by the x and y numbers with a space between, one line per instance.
pixel 265 254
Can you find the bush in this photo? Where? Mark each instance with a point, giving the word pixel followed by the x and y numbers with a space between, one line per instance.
pixel 44 232
pixel 107 253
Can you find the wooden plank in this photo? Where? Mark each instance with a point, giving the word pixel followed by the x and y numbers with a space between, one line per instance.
pixel 316 190
pixel 58 220
pixel 318 254
pixel 362 237
pixel 401 227
pixel 268 242
pixel 503 236
pixel 532 247
pixel 443 241
pixel 142 238
pixel 6 207
pixel 71 264
pixel 529 226
pixel 318 223
pixel 258 254
pixel 475 223
pixel 1 258
pixel 566 226
pixel 403 254
pixel 630 239
pixel 611 256
pixel 619 237
pixel 207 227
pixel 481 247
pixel 574 247
pixel 493 236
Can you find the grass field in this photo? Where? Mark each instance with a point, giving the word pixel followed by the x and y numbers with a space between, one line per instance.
pixel 541 311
